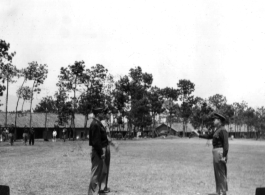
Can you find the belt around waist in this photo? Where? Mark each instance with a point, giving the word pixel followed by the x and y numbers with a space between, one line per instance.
pixel 95 148
pixel 217 147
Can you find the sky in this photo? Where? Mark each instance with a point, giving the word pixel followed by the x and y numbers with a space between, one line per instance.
pixel 217 45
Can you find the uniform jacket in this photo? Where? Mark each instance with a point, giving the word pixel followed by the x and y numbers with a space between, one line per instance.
pixel 220 139
pixel 97 136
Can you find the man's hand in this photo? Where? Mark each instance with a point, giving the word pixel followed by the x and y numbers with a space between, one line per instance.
pixel 223 159
pixel 116 147
pixel 103 156
pixel 195 132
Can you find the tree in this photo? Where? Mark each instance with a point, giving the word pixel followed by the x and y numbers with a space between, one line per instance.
pixel 47 104
pixel 141 113
pixel 64 107
pixel 5 58
pixel 260 124
pixel 186 88
pixel 217 101
pixel 250 119
pixel 121 94
pixel 24 93
pixel 170 96
pixel 97 91
pixel 36 73
pixel 156 103
pixel 107 90
pixel 121 105
pixel 239 109
pixel 228 112
pixel 8 71
pixel 201 113
pixel 131 97
pixel 140 83
pixel 2 88
pixel 71 78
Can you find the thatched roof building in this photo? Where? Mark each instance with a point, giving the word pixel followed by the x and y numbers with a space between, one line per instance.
pixel 38 119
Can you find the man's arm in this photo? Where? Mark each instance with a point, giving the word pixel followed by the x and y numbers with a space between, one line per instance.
pixel 224 137
pixel 206 136
pixel 96 138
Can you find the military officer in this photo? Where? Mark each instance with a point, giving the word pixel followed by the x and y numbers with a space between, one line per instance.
pixel 220 150
pixel 64 133
pixel 31 136
pixel 99 141
pixel 25 134
pixel 11 134
pixel 105 173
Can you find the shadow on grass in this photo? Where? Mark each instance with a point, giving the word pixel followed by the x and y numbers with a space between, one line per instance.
pixel 110 192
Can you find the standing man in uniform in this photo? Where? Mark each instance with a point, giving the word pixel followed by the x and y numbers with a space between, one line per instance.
pixel 105 173
pixel 99 141
pixel 31 136
pixel 11 134
pixel 64 134
pixel 54 134
pixel 220 151
pixel 25 134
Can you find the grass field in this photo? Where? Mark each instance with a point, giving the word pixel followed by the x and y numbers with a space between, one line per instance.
pixel 152 166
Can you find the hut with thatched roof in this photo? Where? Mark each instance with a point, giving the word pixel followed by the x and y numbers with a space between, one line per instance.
pixel 39 123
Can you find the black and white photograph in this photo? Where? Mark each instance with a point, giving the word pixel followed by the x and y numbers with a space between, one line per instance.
pixel 132 97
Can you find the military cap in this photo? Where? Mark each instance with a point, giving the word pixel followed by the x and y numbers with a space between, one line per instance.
pixel 97 110
pixel 218 115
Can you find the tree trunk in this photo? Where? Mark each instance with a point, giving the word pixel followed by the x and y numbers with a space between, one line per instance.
pixel 46 129
pixel 22 106
pixel 73 126
pixel 16 110
pixel 153 130
pixel 85 126
pixel 46 119
pixel 73 114
pixel 30 118
pixel 170 122
pixel 7 84
pixel 183 126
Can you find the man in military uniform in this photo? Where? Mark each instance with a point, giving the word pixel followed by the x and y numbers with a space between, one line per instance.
pixel 11 134
pixel 220 151
pixel 99 142
pixel 25 134
pixel 64 133
pixel 105 172
pixel 31 136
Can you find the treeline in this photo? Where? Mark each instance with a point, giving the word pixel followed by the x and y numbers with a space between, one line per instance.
pixel 79 89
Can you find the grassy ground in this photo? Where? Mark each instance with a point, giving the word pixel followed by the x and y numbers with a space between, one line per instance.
pixel 153 166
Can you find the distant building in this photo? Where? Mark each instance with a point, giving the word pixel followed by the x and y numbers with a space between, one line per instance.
pixel 176 129
pixel 164 129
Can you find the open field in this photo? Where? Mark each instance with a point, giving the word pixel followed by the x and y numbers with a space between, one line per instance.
pixel 152 166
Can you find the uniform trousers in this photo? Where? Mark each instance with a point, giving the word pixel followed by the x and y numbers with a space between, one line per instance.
pixel 11 137
pixel 96 171
pixel 31 139
pixel 105 172
pixel 25 137
pixel 220 171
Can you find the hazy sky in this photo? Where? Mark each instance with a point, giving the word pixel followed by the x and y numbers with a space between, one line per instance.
pixel 218 45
